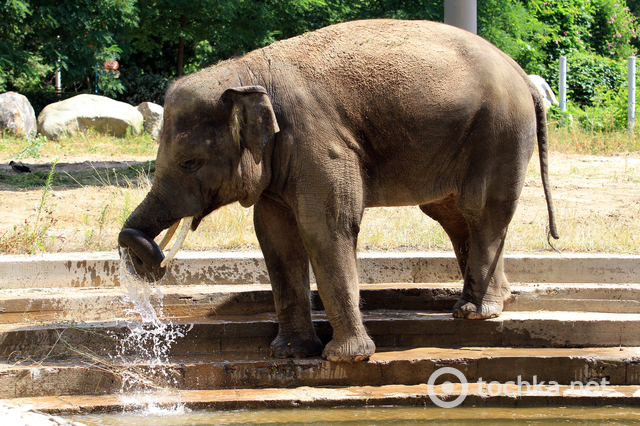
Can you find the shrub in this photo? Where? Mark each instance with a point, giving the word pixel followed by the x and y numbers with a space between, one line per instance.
pixel 143 87
pixel 607 113
pixel 587 74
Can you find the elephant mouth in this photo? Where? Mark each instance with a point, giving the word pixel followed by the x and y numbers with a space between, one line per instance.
pixel 145 258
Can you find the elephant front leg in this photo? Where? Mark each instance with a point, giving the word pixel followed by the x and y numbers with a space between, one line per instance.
pixel 331 245
pixel 288 267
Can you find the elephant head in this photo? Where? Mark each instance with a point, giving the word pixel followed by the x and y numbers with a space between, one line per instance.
pixel 214 150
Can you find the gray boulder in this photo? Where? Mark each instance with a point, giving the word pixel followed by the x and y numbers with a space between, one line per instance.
pixel 152 114
pixel 17 114
pixel 545 90
pixel 83 112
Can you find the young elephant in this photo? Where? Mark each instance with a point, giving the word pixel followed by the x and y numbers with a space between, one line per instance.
pixel 314 129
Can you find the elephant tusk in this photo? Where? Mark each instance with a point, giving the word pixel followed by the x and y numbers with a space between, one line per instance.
pixel 186 224
pixel 168 235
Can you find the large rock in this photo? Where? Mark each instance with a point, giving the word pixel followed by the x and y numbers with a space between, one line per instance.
pixel 17 114
pixel 82 112
pixel 545 90
pixel 152 114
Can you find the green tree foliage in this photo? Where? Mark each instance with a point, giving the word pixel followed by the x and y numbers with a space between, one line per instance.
pixel 510 26
pixel 158 40
pixel 22 65
pixel 81 34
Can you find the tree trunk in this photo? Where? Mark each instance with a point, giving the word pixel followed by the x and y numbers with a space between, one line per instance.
pixel 179 66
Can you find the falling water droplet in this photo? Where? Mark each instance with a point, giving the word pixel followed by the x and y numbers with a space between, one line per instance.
pixel 144 349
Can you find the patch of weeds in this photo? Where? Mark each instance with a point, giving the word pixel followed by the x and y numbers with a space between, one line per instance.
pixel 34 149
pixel 31 238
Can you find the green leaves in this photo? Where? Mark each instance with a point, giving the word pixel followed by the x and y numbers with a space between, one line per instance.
pixel 81 33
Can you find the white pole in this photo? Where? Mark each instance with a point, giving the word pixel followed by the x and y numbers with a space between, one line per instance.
pixel 58 78
pixel 58 72
pixel 563 83
pixel 631 110
pixel 462 14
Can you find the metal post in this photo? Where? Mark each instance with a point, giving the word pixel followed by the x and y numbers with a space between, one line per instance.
pixel 631 110
pixel 58 78
pixel 462 14
pixel 58 71
pixel 563 83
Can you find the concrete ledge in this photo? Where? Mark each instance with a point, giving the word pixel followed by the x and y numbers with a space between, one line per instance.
pixel 394 367
pixel 388 328
pixel 353 396
pixel 191 268
pixel 104 304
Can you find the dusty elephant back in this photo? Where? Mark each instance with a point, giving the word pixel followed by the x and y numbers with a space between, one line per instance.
pixel 390 55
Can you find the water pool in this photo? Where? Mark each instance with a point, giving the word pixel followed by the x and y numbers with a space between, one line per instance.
pixel 484 416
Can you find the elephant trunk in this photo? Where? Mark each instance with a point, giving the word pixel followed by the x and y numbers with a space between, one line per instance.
pixel 141 254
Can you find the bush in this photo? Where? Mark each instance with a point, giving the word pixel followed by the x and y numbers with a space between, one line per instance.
pixel 143 87
pixel 608 112
pixel 587 74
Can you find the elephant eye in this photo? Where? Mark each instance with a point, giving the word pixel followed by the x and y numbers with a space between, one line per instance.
pixel 191 165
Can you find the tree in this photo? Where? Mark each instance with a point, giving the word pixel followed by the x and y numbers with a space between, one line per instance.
pixel 21 62
pixel 81 34
pixel 515 30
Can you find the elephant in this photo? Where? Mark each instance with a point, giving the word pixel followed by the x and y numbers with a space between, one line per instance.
pixel 312 130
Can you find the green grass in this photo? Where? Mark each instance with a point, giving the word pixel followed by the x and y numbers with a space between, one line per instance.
pixel 97 177
pixel 15 148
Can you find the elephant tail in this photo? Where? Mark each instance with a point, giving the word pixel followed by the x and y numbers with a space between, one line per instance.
pixel 543 151
pixel 543 143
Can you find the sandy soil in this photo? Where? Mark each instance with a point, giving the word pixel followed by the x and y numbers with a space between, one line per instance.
pixel 585 188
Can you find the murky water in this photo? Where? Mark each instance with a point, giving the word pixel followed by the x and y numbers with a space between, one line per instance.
pixel 606 416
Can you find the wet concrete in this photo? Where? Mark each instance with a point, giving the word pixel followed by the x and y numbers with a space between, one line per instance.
pixel 190 268
pixel 577 322
pixel 388 328
pixel 354 396
pixel 96 304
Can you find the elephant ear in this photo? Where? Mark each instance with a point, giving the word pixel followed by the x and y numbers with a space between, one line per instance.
pixel 253 122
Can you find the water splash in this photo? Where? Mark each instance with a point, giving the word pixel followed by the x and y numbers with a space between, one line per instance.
pixel 144 349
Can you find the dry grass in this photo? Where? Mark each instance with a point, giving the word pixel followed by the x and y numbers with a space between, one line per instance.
pixel 573 140
pixel 89 218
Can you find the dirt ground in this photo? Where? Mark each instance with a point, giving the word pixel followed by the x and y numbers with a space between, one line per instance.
pixel 585 189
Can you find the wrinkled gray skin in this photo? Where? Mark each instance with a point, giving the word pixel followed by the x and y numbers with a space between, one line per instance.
pixel 314 129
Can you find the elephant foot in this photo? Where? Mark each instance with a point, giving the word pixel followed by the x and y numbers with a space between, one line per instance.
pixel 470 310
pixel 352 349
pixel 283 347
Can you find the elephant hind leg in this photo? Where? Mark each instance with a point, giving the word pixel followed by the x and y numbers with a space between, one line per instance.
pixel 478 239
pixel 455 225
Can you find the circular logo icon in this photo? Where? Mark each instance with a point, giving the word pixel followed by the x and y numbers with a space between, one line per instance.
pixel 447 387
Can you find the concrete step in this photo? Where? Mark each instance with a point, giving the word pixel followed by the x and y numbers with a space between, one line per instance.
pixel 531 367
pixel 198 268
pixel 63 322
pixel 204 336
pixel 91 304
pixel 554 403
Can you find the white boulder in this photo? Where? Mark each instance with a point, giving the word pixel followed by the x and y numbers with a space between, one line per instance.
pixel 152 114
pixel 82 112
pixel 17 114
pixel 545 90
